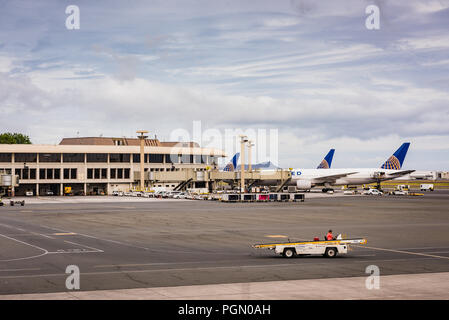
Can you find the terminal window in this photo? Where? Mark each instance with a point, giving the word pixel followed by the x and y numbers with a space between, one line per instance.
pixel 97 157
pixel 73 173
pixel 136 158
pixel 172 158
pixel 156 158
pixel 49 157
pixel 49 173
pixel 25 157
pixel 186 158
pixel 73 157
pixel 26 174
pixel 119 157
pixel 5 157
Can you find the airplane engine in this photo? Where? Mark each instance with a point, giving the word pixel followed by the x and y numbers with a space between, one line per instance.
pixel 304 184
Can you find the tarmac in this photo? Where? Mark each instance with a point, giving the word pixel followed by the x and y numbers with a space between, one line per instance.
pixel 423 286
pixel 143 244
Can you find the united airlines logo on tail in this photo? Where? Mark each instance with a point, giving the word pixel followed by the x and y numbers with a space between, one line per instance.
pixel 327 161
pixel 323 165
pixel 392 163
pixel 229 167
pixel 396 160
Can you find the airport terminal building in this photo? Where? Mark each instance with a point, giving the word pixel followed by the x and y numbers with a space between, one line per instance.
pixel 100 165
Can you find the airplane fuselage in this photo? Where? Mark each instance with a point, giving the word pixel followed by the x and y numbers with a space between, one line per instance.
pixel 353 176
pixel 336 177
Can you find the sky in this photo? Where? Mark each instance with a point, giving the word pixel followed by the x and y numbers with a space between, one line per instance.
pixel 297 76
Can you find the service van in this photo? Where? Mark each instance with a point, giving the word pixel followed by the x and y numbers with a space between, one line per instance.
pixel 426 187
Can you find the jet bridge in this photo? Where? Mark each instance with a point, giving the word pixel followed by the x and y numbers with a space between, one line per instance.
pixel 185 176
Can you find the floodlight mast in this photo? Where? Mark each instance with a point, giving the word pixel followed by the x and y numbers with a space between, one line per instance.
pixel 250 145
pixel 142 138
pixel 243 141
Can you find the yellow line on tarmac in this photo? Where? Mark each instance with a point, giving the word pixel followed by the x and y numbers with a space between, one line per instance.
pixel 64 234
pixel 276 236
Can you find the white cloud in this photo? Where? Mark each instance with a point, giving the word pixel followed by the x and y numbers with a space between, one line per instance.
pixel 430 6
pixel 424 42
pixel 281 22
pixel 6 63
pixel 308 127
pixel 287 64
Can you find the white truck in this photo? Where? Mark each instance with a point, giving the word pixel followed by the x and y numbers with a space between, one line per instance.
pixel 426 187
pixel 374 192
pixel 327 248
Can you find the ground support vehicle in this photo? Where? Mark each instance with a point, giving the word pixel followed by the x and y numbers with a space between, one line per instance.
pixel 326 248
pixel 426 187
pixel 14 202
pixel 374 192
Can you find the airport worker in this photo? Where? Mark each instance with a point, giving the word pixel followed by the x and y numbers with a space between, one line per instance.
pixel 329 236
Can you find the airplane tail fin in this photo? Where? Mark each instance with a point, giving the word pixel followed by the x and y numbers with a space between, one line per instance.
pixel 327 161
pixel 232 165
pixel 396 160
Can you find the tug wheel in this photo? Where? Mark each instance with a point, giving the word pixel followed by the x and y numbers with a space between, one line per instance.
pixel 288 253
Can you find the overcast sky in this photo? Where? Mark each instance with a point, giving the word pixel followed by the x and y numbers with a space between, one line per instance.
pixel 309 69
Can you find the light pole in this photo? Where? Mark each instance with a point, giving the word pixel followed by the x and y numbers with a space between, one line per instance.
pixel 250 145
pixel 243 141
pixel 142 138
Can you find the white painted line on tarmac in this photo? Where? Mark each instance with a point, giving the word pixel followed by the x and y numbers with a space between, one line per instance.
pixel 101 239
pixel 24 230
pixel 423 248
pixel 76 250
pixel 13 270
pixel 405 252
pixel 28 244
pixel 438 252
pixel 188 262
pixel 73 250
pixel 82 245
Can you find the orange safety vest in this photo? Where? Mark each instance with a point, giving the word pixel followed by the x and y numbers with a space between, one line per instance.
pixel 329 236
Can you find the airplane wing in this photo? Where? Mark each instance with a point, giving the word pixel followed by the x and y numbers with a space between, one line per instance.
pixel 333 177
pixel 398 174
pixel 401 173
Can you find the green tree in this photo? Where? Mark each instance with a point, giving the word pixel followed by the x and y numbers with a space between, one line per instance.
pixel 14 138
